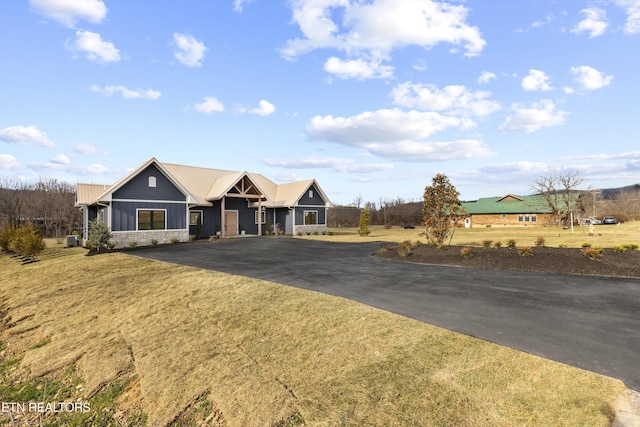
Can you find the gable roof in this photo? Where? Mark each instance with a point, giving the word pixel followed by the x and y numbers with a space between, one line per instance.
pixel 508 204
pixel 204 185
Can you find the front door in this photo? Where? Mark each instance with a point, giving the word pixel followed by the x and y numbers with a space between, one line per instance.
pixel 230 223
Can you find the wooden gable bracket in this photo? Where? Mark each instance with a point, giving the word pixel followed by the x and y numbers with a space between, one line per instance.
pixel 245 189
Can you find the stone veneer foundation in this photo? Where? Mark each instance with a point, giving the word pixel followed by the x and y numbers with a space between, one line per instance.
pixel 310 229
pixel 122 239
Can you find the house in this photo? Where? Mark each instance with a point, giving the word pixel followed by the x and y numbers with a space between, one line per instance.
pixel 509 210
pixel 166 202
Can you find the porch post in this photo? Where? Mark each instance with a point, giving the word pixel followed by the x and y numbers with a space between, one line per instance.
pixel 260 215
pixel 223 226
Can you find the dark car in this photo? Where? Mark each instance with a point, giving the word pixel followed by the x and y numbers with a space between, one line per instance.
pixel 409 227
pixel 609 220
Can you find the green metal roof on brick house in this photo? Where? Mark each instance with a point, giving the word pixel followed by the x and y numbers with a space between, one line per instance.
pixel 508 204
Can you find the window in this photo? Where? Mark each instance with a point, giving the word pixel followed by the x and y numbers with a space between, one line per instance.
pixel 195 217
pixel 152 219
pixel 534 218
pixel 310 217
pixel 263 217
pixel 311 194
pixel 527 218
pixel 152 181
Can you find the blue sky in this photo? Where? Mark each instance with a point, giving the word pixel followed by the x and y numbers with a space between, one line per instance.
pixel 369 97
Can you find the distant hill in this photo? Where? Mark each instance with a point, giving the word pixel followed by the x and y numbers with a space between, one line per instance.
pixel 610 192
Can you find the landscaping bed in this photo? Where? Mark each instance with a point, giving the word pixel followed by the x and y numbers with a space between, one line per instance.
pixel 542 259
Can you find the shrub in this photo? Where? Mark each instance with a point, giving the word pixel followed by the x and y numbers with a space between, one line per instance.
pixel 563 245
pixel 525 251
pixel 593 253
pixel 586 245
pixel 385 247
pixel 487 243
pixel 418 243
pixel 330 233
pixel 99 235
pixel 6 235
pixel 631 246
pixel 466 252
pixel 497 244
pixel 620 249
pixel 25 240
pixel 405 248
pixel 174 240
pixel 192 237
pixel 540 241
pixel 315 233
pixel 511 243
pixel 154 242
pixel 133 244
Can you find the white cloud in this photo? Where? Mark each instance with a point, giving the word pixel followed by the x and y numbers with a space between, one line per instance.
pixel 632 8
pixel 397 134
pixel 84 148
pixel 486 77
pixel 418 151
pixel 67 12
pixel 94 48
pixel 595 22
pixel 209 105
pixel 337 164
pixel 25 135
pixel 8 162
pixel 238 5
pixel 126 92
pixel 357 68
pixel 60 159
pixel 383 126
pixel 536 80
pixel 455 99
pixel 370 31
pixel 189 52
pixel 543 114
pixel 590 78
pixel 264 108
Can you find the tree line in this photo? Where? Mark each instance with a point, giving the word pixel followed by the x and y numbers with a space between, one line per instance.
pixel 49 205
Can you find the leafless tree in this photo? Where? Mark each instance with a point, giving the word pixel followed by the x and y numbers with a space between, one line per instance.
pixel 559 187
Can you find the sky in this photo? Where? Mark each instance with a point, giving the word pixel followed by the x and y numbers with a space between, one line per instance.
pixel 372 98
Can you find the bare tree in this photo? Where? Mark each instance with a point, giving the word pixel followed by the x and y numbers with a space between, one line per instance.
pixel 13 201
pixel 559 188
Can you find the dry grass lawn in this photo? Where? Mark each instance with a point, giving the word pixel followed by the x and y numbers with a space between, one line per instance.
pixel 201 346
pixel 604 236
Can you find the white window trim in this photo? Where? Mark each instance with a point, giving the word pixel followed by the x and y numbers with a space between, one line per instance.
pixel 304 217
pixel 153 229
pixel 311 193
pixel 201 216
pixel 152 181
pixel 263 217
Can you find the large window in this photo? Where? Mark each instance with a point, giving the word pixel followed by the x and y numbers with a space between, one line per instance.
pixel 310 217
pixel 262 215
pixel 152 219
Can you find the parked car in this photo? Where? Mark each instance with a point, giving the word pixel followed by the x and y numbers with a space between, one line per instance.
pixel 609 220
pixel 409 227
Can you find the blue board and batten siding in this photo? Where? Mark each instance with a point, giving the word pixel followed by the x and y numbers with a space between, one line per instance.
pixel 138 194
pixel 311 200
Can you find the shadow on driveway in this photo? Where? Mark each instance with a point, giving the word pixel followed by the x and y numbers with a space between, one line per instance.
pixel 588 322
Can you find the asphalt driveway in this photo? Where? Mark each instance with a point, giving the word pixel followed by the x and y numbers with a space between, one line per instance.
pixel 589 322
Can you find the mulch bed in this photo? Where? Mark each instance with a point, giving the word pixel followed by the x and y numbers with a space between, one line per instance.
pixel 544 259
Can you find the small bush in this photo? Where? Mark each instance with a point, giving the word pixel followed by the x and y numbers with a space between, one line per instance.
pixel 540 241
pixel 418 243
pixel 315 233
pixel 487 243
pixel 497 244
pixel 511 243
pixel 631 246
pixel 154 242
pixel 466 252
pixel 563 245
pixel 385 247
pixel 586 245
pixel 174 240
pixel 133 244
pixel 192 237
pixel 620 249
pixel 525 251
pixel 593 253
pixel 330 233
pixel 405 248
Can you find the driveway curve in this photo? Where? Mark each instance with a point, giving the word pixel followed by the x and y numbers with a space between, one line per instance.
pixel 589 322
